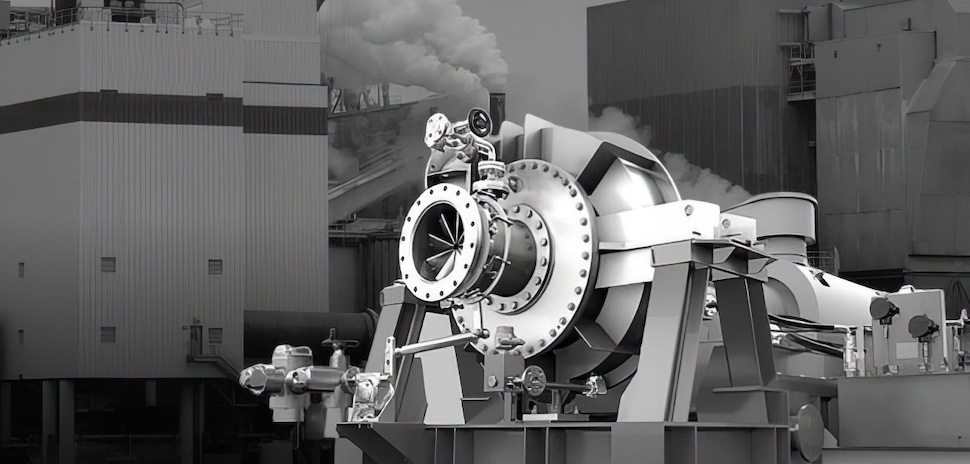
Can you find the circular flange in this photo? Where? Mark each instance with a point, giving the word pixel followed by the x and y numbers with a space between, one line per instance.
pixel 569 218
pixel 808 432
pixel 539 233
pixel 444 238
pixel 534 380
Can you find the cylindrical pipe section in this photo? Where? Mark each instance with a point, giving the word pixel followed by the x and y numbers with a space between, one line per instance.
pixel 454 340
pixel 263 331
pixel 791 248
pixel 521 261
pixel 314 379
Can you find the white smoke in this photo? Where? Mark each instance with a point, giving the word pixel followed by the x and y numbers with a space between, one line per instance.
pixel 693 182
pixel 615 120
pixel 429 43
pixel 697 183
pixel 342 165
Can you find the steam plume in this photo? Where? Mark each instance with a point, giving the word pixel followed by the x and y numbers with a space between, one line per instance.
pixel 429 43
pixel 693 182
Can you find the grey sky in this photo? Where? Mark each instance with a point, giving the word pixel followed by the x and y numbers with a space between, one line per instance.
pixel 544 43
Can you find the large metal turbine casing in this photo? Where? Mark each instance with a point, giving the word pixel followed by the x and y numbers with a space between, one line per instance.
pixel 550 257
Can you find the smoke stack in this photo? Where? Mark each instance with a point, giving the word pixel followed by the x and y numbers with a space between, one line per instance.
pixel 496 110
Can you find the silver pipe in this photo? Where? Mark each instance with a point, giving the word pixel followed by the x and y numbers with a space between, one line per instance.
pixel 454 340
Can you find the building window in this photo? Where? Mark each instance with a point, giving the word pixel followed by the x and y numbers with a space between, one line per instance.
pixel 20 270
pixel 107 335
pixel 108 264
pixel 215 335
pixel 215 267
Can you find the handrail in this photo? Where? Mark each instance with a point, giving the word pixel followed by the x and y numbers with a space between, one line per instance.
pixel 151 12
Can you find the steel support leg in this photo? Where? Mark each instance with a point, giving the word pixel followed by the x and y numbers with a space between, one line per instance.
pixel 661 389
pixel 745 330
pixel 48 419
pixel 5 413
pixel 401 317
pixel 66 422
pixel 187 422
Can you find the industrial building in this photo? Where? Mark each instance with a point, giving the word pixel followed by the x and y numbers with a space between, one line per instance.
pixel 216 252
pixel 162 173
pixel 858 103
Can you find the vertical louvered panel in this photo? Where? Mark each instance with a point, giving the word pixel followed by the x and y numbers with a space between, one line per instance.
pixel 710 79
pixel 39 228
pixel 162 200
pixel 287 205
pixel 271 60
pixel 39 66
pixel 154 60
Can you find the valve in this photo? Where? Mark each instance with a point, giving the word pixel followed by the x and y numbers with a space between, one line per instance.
pixel 262 379
pixel 338 359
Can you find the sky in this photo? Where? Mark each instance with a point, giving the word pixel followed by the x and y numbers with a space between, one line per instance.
pixel 544 44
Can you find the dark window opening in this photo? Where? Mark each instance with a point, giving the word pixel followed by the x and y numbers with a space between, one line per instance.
pixel 20 270
pixel 108 264
pixel 215 267
pixel 107 335
pixel 215 335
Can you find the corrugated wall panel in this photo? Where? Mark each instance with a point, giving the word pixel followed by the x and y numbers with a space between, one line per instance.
pixel 862 178
pixel 262 94
pixel 162 200
pixel 282 18
pixel 641 48
pixel 277 61
pixel 39 66
pixel 176 62
pixel 287 204
pixel 710 79
pixel 38 227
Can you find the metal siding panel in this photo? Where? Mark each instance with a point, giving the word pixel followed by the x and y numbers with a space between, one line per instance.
pixel 162 200
pixel 46 66
pixel 282 61
pixel 862 65
pixel 288 206
pixel 39 211
pixel 156 62
pixel 262 94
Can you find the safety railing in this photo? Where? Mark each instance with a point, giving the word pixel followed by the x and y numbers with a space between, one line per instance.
pixel 825 260
pixel 162 14
pixel 801 71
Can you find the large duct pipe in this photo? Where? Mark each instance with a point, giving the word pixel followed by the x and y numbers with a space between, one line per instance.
pixel 264 330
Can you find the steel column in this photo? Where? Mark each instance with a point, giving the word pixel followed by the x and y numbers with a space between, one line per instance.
pixel 401 317
pixel 661 389
pixel 187 422
pixel 48 418
pixel 745 331
pixel 5 413
pixel 66 422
